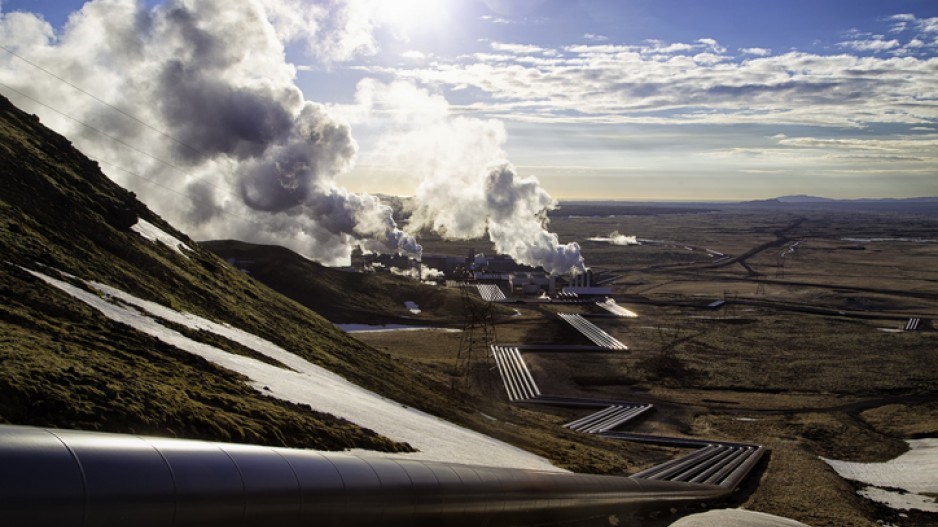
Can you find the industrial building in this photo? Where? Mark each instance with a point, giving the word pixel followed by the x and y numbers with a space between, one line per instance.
pixel 514 278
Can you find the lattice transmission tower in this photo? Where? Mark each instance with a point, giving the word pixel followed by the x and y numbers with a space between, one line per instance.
pixel 478 334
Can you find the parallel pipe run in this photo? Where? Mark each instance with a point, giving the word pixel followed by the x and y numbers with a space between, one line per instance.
pixel 619 419
pixel 517 378
pixel 715 463
pixel 68 478
pixel 721 464
pixel 496 352
pixel 515 381
pixel 516 371
pixel 592 331
pixel 584 422
pixel 535 391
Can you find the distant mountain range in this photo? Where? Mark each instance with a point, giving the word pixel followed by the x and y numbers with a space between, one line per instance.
pixel 798 202
pixel 802 198
pixel 922 205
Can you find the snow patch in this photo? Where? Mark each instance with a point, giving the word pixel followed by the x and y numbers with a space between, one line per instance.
pixel 323 390
pixel 412 307
pixel 914 472
pixel 155 234
pixel 735 518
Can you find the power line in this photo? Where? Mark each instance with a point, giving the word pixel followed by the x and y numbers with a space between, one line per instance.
pixel 135 149
pixel 102 101
pixel 98 130
pixel 115 108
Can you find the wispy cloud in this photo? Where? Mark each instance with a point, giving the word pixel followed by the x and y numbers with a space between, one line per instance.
pixel 495 19
pixel 687 83
pixel 414 55
pixel 872 44
pixel 518 49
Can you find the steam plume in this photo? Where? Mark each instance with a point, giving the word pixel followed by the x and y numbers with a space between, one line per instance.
pixel 257 160
pixel 615 238
pixel 465 187
pixel 234 134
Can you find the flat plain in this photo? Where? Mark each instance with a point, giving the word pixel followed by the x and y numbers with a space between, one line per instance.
pixel 808 355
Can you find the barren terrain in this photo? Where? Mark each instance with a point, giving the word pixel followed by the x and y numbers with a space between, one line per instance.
pixel 808 356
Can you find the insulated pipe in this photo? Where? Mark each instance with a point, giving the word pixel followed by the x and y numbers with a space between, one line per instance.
pixel 618 420
pixel 711 457
pixel 671 468
pixel 525 373
pixel 66 478
pixel 505 370
pixel 517 375
pixel 740 471
pixel 585 422
pixel 514 376
pixel 593 332
pixel 711 474
pixel 496 352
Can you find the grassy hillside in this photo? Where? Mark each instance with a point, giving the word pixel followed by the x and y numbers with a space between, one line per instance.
pixel 63 364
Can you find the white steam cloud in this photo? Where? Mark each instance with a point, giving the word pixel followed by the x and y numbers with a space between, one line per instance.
pixel 252 158
pixel 615 238
pixel 424 273
pixel 465 187
pixel 256 160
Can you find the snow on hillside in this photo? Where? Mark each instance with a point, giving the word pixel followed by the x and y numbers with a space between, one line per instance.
pixel 155 234
pixel 306 383
pixel 915 473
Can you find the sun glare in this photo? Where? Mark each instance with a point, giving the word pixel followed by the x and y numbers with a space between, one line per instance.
pixel 411 17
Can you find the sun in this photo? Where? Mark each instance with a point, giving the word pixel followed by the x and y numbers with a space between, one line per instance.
pixel 410 18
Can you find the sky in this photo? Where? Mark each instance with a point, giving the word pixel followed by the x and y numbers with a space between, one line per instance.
pixel 642 99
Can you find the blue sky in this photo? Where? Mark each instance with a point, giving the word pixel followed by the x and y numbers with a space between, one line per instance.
pixel 638 99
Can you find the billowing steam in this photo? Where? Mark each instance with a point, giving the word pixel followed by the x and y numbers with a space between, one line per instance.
pixel 425 273
pixel 615 238
pixel 245 154
pixel 465 187
pixel 231 128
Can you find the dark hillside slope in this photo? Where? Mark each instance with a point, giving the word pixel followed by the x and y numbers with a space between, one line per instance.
pixel 63 364
pixel 343 297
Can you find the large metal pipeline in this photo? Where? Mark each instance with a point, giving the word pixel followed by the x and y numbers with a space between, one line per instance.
pixel 68 478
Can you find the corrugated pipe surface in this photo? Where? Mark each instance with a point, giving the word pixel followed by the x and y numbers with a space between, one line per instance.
pixel 63 478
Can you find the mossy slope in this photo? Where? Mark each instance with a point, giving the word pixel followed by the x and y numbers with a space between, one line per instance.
pixel 62 364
